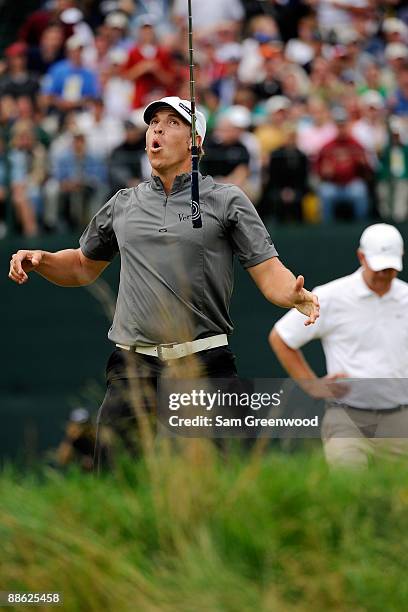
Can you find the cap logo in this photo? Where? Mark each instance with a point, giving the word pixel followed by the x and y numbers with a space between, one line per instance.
pixel 184 107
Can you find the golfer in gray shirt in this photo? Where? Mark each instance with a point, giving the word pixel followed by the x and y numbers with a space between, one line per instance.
pixel 175 280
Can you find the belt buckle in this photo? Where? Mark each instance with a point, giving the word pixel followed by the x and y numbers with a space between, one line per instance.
pixel 160 348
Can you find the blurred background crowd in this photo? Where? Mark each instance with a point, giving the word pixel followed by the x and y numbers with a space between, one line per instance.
pixel 306 103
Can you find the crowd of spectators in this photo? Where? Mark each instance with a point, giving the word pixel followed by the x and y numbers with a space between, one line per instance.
pixel 306 103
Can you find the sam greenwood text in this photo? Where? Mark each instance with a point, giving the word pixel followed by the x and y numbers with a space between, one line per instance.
pixel 249 421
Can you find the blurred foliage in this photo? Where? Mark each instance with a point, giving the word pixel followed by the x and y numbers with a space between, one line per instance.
pixel 194 528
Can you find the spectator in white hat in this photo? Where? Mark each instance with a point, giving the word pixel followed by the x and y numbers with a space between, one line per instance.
pixel 116 26
pixel 395 30
pixel 240 117
pixel 68 84
pixel 226 156
pixel 371 129
pixel 117 91
pixel 74 18
pixel 396 54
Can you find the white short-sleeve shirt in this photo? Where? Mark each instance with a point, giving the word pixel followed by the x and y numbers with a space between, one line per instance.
pixel 363 335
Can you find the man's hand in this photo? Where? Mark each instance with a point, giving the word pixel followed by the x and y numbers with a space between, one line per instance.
pixel 280 287
pixel 305 302
pixel 23 262
pixel 328 387
pixel 66 268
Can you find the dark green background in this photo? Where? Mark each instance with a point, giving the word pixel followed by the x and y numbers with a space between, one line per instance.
pixel 54 345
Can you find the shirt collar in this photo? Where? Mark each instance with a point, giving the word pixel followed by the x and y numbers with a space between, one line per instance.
pixel 180 181
pixel 362 290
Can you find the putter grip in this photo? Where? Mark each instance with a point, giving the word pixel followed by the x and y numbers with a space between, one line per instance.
pixel 195 192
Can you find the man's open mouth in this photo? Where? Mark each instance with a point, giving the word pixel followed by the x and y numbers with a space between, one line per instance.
pixel 156 145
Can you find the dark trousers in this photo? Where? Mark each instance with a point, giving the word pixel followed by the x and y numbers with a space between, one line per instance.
pixel 132 381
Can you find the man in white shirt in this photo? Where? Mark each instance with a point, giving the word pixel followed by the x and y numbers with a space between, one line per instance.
pixel 363 327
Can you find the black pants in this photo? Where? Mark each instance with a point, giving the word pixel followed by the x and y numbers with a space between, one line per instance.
pixel 132 381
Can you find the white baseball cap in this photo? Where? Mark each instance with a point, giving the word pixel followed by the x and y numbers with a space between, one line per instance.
pixel 230 52
pixel 116 20
pixel 393 25
pixel 347 35
pixel 396 51
pixel 373 98
pixel 182 107
pixel 74 42
pixel 383 247
pixel 71 16
pixel 238 115
pixel 277 103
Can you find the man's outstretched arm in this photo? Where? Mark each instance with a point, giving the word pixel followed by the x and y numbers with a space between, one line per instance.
pixel 280 287
pixel 67 268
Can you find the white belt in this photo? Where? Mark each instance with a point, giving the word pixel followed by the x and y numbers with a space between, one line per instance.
pixel 165 352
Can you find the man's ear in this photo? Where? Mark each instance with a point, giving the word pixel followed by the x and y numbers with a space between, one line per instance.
pixel 360 256
pixel 198 142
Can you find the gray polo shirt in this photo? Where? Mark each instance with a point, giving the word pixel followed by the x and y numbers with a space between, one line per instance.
pixel 175 281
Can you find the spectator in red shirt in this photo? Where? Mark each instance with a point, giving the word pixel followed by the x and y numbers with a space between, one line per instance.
pixel 150 67
pixel 343 169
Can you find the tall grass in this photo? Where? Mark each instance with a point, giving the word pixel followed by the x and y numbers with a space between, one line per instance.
pixel 191 531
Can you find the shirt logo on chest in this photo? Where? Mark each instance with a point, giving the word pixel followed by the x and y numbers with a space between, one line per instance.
pixel 183 217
